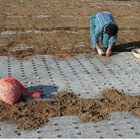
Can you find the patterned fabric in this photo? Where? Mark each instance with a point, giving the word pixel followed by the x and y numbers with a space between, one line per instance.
pixel 98 23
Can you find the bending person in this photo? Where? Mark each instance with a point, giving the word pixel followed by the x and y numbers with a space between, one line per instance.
pixel 103 24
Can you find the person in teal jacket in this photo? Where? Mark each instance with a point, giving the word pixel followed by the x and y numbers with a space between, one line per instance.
pixel 103 24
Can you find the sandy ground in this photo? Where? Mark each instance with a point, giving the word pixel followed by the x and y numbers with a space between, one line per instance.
pixel 61 28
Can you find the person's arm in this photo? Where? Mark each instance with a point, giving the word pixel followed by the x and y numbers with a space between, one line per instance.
pixel 96 37
pixel 112 41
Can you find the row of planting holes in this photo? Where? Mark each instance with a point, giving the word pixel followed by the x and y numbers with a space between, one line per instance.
pixel 64 76
pixel 35 71
pixel 138 72
pixel 49 73
pixel 48 70
pixel 76 74
pixel 24 76
pixel 9 66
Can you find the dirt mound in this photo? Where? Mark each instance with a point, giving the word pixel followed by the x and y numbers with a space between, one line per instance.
pixel 32 115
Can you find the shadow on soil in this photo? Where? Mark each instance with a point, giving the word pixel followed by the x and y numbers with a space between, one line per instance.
pixel 46 91
pixel 126 47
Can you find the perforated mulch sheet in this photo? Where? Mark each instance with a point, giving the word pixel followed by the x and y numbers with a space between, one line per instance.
pixel 86 75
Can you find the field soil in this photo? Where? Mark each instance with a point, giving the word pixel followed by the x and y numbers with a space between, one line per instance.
pixel 32 115
pixel 61 28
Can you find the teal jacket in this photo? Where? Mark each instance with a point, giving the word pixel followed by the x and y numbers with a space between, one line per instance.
pixel 98 23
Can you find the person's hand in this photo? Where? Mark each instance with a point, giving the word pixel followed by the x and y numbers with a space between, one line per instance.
pixel 109 51
pixel 99 50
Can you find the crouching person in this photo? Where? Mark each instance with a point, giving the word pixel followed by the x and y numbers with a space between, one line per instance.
pixel 103 24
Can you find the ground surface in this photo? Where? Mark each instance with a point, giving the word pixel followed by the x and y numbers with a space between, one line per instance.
pixel 36 114
pixel 61 27
pixel 74 103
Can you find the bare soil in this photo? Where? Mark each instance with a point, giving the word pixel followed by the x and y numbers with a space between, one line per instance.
pixel 32 115
pixel 61 27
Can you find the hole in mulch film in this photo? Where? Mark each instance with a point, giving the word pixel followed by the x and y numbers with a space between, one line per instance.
pixel 137 133
pixel 76 127
pixel 120 135
pixel 95 126
pixel 9 74
pixel 132 128
pixel 125 117
pixel 116 129
pixel 101 137
pixel 59 136
pixel 98 131
pixel 92 79
pixel 112 124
